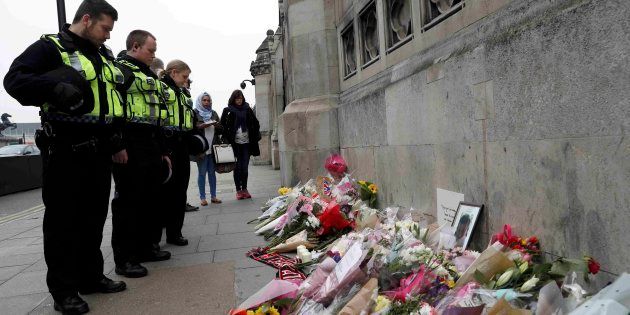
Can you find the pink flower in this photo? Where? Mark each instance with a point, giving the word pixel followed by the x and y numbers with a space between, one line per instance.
pixel 307 208
pixel 527 257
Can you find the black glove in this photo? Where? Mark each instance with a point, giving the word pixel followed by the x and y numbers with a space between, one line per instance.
pixel 68 98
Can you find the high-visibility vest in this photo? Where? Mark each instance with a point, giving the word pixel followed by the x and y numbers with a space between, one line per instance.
pixel 145 97
pixel 108 74
pixel 180 110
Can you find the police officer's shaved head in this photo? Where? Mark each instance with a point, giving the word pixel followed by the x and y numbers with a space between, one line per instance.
pixel 95 8
pixel 137 36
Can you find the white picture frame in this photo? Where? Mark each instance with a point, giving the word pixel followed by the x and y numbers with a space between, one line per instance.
pixel 464 223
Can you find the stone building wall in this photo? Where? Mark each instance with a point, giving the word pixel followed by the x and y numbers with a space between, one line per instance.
pixel 521 105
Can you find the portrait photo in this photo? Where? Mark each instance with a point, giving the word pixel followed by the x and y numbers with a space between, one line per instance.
pixel 464 223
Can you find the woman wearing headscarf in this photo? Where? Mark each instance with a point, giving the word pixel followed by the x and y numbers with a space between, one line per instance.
pixel 211 128
pixel 242 130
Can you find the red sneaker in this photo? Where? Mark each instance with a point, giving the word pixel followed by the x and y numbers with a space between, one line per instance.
pixel 246 194
pixel 240 195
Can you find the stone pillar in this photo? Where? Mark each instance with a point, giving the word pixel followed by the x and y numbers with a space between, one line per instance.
pixel 265 109
pixel 308 128
pixel 277 84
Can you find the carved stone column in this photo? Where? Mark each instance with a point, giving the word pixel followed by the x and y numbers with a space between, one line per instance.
pixel 308 128
pixel 265 109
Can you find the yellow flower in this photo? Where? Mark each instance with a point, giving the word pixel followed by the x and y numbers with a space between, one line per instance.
pixel 524 242
pixel 260 311
pixel 450 283
pixel 373 188
pixel 284 190
pixel 361 182
pixel 251 313
pixel 273 311
pixel 382 302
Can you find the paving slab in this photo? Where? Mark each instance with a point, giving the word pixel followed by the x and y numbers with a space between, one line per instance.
pixel 7 273
pixel 34 232
pixel 237 255
pixel 182 260
pixel 229 241
pixel 24 284
pixel 12 242
pixel 232 217
pixel 18 260
pixel 199 230
pixel 250 280
pixel 235 227
pixel 21 304
pixel 193 242
pixel 39 265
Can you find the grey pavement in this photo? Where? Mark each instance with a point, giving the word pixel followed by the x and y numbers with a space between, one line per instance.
pixel 217 233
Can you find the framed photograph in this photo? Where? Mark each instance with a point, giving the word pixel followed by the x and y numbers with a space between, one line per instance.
pixel 464 223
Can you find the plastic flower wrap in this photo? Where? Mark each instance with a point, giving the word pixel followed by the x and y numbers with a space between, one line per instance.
pixel 275 289
pixel 346 272
pixel 344 191
pixel 361 303
pixel 367 218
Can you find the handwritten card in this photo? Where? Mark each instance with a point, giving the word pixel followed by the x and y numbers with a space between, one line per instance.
pixel 349 260
pixel 447 202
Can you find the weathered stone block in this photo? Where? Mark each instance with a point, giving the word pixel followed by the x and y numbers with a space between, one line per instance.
pixel 363 122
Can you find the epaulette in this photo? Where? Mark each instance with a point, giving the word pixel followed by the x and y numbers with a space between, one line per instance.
pixel 127 64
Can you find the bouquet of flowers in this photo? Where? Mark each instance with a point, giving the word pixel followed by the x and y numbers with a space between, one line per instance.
pixel 368 191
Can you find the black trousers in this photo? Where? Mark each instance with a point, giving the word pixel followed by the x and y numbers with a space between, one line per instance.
pixel 76 186
pixel 135 203
pixel 241 152
pixel 173 193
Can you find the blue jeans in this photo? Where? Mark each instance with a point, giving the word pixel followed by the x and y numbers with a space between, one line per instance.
pixel 207 166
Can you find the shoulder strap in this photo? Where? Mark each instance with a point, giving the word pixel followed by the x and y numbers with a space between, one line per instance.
pixel 128 64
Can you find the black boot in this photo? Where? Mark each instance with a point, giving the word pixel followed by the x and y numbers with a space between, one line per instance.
pixel 131 270
pixel 179 241
pixel 71 305
pixel 155 255
pixel 106 285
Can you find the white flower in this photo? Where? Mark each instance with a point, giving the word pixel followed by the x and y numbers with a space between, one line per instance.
pixel 441 271
pixel 505 277
pixel 529 284
pixel 312 222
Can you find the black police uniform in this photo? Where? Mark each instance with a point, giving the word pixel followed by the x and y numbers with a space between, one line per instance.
pixel 173 193
pixel 77 161
pixel 137 183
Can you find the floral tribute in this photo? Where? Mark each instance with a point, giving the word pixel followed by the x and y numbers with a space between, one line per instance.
pixel 358 259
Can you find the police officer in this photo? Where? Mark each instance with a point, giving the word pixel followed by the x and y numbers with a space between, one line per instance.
pixel 138 180
pixel 70 75
pixel 181 142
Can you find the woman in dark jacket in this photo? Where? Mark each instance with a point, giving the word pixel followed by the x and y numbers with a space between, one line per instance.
pixel 242 131
pixel 210 127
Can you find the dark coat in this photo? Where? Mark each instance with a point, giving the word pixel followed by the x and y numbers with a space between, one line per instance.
pixel 228 121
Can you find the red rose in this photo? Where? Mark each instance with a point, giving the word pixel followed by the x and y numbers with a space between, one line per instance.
pixel 593 266
pixel 332 218
pixel 533 240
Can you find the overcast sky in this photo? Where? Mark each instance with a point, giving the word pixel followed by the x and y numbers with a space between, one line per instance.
pixel 217 39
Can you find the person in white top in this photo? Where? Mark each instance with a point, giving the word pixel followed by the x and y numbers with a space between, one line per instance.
pixel 209 123
pixel 242 131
